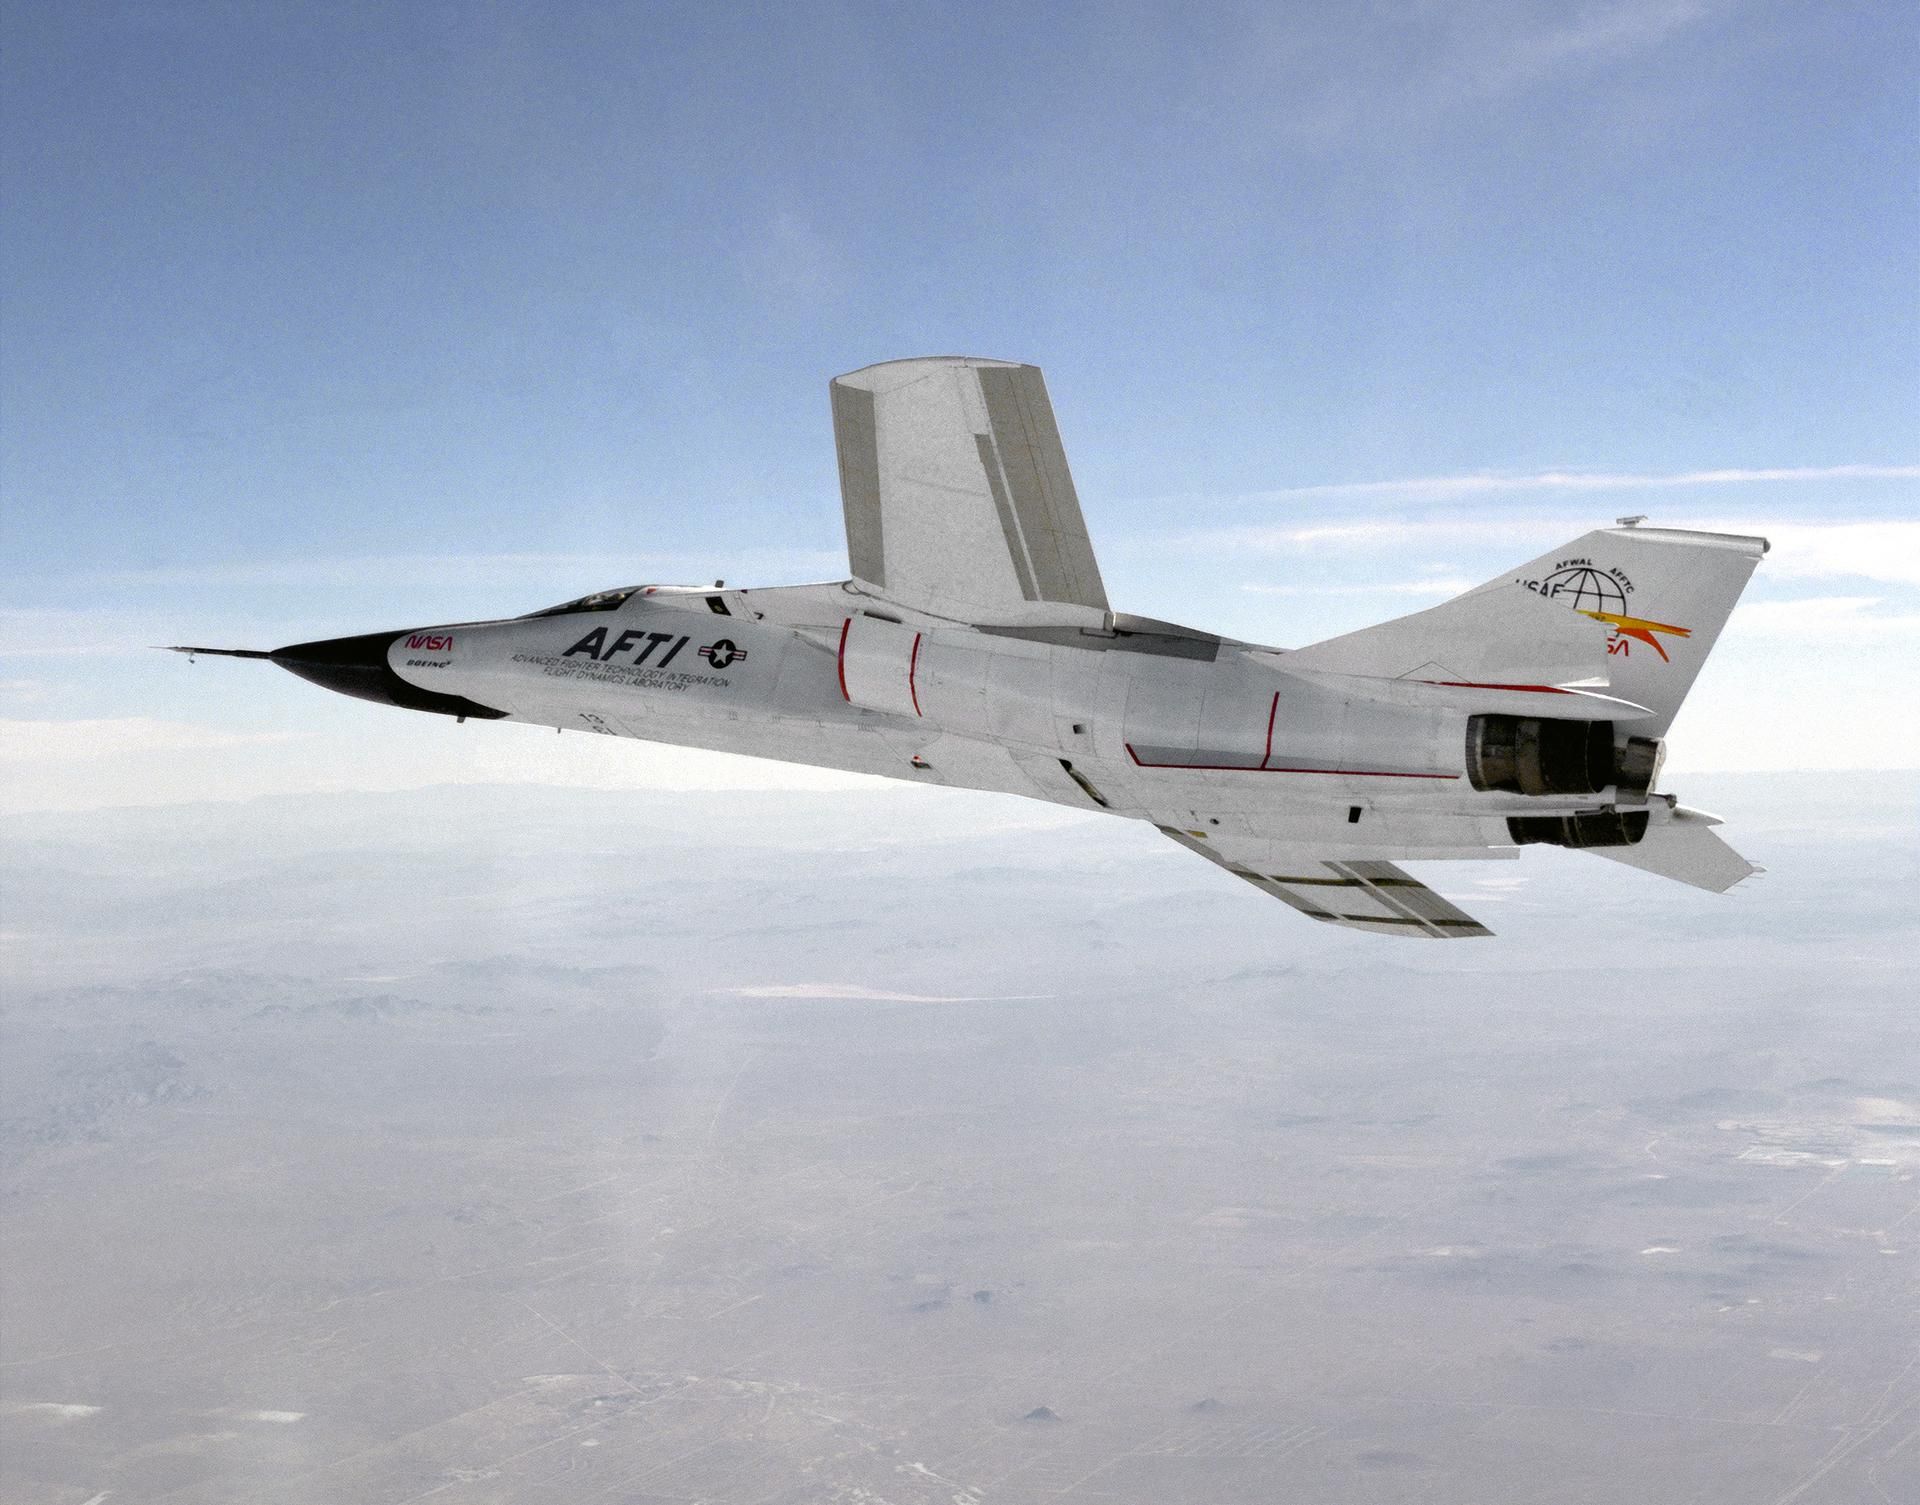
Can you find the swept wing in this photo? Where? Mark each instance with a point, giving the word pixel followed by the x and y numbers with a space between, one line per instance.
pixel 957 495
pixel 1362 895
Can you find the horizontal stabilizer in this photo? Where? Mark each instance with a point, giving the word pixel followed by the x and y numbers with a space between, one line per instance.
pixel 1685 849
pixel 1507 637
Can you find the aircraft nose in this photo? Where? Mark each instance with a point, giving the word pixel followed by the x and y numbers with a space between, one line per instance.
pixel 358 666
pixel 354 666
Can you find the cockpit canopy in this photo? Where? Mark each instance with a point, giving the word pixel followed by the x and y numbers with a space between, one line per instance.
pixel 599 601
pixel 715 598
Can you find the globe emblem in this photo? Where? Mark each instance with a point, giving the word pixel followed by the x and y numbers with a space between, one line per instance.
pixel 1584 588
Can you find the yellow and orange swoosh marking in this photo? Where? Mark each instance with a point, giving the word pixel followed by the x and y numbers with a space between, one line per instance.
pixel 1639 627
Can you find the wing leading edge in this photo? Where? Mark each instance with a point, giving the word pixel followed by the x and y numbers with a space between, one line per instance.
pixel 957 495
pixel 1371 896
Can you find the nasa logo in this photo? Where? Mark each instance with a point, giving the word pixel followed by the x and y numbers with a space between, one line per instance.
pixel 1601 592
pixel 431 642
pixel 722 653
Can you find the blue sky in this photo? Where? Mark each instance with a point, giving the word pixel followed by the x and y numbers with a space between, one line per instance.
pixel 322 319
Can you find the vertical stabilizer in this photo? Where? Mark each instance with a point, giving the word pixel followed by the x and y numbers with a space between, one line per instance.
pixel 1664 594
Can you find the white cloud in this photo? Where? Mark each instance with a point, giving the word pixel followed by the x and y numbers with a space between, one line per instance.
pixel 99 764
pixel 1849 617
pixel 562 571
pixel 57 632
pixel 1427 489
pixel 69 741
pixel 1869 550
pixel 1396 68
pixel 1887 551
pixel 1505 57
pixel 1450 585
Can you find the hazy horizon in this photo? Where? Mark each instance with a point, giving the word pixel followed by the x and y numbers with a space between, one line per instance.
pixel 488 1144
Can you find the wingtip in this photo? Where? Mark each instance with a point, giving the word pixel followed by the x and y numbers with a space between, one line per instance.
pixel 911 368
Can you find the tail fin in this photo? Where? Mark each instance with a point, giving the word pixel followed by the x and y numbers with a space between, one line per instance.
pixel 1632 610
pixel 1664 594
pixel 1500 636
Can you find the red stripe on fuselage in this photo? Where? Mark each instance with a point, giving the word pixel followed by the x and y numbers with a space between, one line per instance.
pixel 913 668
pixel 1474 684
pixel 840 660
pixel 1344 773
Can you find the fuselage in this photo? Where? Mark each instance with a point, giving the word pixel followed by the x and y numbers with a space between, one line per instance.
pixel 1141 719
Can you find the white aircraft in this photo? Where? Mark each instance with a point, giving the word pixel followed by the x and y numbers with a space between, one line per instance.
pixel 974 646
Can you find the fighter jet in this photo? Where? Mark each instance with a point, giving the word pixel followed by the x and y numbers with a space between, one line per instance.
pixel 974 646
